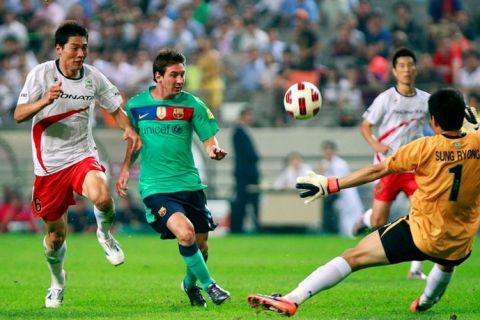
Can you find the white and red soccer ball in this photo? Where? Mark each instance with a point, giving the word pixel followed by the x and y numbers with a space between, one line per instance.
pixel 302 100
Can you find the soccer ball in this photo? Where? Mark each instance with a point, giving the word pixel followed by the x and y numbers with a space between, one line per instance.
pixel 302 100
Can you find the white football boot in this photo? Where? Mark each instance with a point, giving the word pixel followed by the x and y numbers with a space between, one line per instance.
pixel 113 252
pixel 54 298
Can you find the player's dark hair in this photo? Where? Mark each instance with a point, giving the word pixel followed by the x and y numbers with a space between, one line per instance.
pixel 69 29
pixel 448 107
pixel 166 57
pixel 403 52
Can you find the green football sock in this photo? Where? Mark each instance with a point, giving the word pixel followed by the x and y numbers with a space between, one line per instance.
pixel 190 279
pixel 196 265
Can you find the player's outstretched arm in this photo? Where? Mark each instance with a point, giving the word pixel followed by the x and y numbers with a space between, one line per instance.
pixel 315 186
pixel 364 175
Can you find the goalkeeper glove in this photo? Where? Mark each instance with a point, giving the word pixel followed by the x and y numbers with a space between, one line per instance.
pixel 316 186
pixel 470 122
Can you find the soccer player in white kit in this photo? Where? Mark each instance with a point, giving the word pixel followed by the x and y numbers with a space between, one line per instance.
pixel 59 96
pixel 400 113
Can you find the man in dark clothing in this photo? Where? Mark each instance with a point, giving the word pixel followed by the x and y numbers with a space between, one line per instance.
pixel 246 173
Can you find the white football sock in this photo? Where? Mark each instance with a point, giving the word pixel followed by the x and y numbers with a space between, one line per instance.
pixel 415 266
pixel 323 278
pixel 55 264
pixel 104 219
pixel 437 283
pixel 367 216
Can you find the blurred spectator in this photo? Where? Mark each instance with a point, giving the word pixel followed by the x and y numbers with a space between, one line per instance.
pixel 26 13
pixel 142 75
pixel 344 209
pixel 294 167
pixel 193 25
pixel 119 70
pixel 239 26
pixel 306 41
pixel 253 37
pixel 281 84
pixel 309 8
pixel 334 12
pixel 377 35
pixel 210 67
pixel 331 88
pixel 180 37
pixel 246 173
pixel 152 35
pixel 350 102
pixel 429 77
pixel 51 12
pixel 225 33
pixel 468 77
pixel 15 215
pixel 11 27
pixel 77 12
pixel 444 9
pixel 342 43
pixel 466 25
pixel 80 217
pixel 193 83
pixel 8 99
pixel 362 11
pixel 378 65
pixel 250 71
pixel 275 46
pixel 447 59
pixel 265 98
pixel 403 21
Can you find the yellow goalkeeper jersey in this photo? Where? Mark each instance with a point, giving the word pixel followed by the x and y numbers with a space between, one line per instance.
pixel 445 213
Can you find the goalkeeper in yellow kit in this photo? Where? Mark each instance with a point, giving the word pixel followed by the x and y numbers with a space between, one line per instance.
pixel 443 219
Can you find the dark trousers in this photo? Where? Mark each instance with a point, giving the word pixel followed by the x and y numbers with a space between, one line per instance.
pixel 243 200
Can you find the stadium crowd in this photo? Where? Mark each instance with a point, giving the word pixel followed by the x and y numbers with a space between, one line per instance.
pixel 254 47
pixel 251 51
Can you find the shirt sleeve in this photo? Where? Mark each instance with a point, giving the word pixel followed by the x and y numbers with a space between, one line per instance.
pixel 204 122
pixel 107 94
pixel 32 89
pixel 407 157
pixel 375 112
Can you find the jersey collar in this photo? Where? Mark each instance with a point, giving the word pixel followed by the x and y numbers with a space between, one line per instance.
pixel 57 63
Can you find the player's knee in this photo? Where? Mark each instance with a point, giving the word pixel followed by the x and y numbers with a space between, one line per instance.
pixel 353 258
pixel 377 221
pixel 186 236
pixel 103 202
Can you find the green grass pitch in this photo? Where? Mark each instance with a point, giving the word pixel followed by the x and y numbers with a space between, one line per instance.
pixel 147 286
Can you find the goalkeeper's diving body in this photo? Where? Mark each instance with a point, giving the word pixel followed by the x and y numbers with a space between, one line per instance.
pixel 443 219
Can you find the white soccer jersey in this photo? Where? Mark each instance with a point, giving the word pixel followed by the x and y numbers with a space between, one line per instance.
pixel 400 119
pixel 62 131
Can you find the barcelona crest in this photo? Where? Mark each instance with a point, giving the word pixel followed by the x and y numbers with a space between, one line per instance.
pixel 162 211
pixel 178 113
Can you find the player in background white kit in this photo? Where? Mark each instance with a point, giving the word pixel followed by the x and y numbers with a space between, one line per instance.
pixel 400 113
pixel 59 96
pixel 348 205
